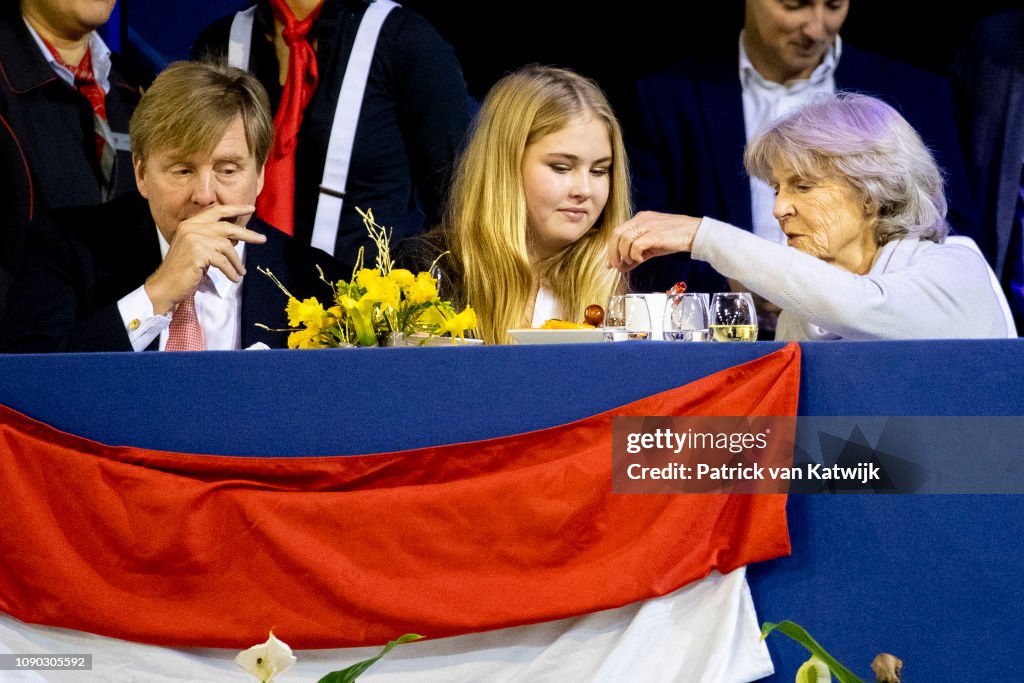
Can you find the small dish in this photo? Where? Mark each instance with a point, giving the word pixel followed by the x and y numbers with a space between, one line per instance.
pixel 539 336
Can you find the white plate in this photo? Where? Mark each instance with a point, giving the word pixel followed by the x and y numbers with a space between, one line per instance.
pixel 537 336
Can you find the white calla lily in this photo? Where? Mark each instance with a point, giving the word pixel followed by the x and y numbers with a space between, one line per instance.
pixel 266 660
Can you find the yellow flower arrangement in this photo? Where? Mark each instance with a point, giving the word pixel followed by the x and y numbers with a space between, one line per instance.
pixel 374 305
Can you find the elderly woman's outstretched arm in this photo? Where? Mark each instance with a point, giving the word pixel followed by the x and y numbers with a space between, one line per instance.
pixel 916 289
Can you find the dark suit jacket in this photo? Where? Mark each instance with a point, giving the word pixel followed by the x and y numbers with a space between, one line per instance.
pixel 687 137
pixel 53 126
pixel 988 79
pixel 82 261
pixel 16 203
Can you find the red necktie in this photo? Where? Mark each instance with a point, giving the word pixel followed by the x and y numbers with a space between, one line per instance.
pixel 184 333
pixel 85 83
pixel 276 204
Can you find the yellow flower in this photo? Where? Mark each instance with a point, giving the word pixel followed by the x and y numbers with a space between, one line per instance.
pixel 359 313
pixel 309 312
pixel 308 338
pixel 402 277
pixel 380 290
pixel 421 291
pixel 372 304
pixel 459 323
pixel 431 318
pixel 367 275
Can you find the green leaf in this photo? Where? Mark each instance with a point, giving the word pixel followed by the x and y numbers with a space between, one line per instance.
pixel 800 635
pixel 353 672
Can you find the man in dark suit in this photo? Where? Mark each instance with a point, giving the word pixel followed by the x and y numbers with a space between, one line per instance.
pixel 694 120
pixel 165 269
pixel 67 104
pixel 988 80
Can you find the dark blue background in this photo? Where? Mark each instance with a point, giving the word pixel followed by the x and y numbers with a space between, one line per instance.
pixel 614 43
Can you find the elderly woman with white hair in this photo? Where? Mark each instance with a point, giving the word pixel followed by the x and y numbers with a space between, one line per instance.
pixel 860 200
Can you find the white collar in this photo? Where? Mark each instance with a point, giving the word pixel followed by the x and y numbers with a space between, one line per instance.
pixel 751 76
pixel 99 53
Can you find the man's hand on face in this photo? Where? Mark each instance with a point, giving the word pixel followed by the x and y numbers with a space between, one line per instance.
pixel 204 240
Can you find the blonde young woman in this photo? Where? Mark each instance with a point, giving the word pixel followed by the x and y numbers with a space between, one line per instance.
pixel 536 194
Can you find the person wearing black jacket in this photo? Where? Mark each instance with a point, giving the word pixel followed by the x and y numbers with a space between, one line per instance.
pixel 180 261
pixel 72 158
pixel 412 119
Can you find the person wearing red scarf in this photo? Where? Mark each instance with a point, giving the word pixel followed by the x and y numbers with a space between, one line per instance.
pixel 412 122
pixel 292 27
pixel 66 105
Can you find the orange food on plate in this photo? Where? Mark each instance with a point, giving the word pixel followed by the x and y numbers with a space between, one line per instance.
pixel 556 324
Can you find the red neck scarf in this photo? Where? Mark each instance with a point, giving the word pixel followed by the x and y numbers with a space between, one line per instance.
pixel 276 204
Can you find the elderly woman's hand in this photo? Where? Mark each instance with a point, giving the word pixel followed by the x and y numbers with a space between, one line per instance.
pixel 649 234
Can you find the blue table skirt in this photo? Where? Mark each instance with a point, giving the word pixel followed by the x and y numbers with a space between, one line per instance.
pixel 933 579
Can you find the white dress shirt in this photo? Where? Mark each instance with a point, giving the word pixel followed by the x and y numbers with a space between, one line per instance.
pixel 218 307
pixel 763 102
pixel 99 53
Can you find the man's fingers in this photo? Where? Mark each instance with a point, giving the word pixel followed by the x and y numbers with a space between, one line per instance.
pixel 219 212
pixel 228 263
pixel 219 230
pixel 237 233
pixel 217 221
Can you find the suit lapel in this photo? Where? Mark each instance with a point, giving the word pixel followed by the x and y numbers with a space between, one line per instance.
pixel 262 301
pixel 721 101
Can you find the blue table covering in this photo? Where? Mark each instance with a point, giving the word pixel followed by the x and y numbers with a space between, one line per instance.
pixel 933 579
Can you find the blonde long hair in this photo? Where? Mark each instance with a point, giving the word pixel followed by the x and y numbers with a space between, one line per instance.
pixel 487 222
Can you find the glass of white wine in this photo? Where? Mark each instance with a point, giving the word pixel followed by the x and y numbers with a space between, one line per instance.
pixel 638 317
pixel 686 318
pixel 733 317
pixel 615 319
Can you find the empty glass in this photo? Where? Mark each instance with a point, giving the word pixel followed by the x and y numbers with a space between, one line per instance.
pixel 686 318
pixel 733 317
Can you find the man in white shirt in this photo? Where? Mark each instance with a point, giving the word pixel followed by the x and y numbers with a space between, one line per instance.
pixel 694 120
pixel 174 268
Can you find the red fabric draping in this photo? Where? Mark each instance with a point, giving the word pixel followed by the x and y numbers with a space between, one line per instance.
pixel 199 550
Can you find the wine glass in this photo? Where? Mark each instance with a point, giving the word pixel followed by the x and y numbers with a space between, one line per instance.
pixel 615 319
pixel 638 317
pixel 733 317
pixel 686 318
